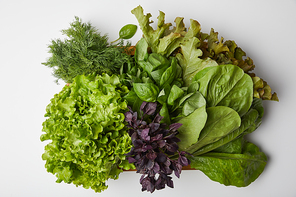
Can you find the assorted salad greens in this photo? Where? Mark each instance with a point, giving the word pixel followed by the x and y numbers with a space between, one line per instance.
pixel 183 97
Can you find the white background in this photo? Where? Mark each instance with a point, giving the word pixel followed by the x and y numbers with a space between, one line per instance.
pixel 265 29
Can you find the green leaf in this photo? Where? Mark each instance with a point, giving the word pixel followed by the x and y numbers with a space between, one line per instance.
pixel 152 36
pixel 86 128
pixel 221 121
pixel 175 93
pixel 192 103
pixel 157 61
pixel 169 74
pixel 190 60
pixel 146 91
pixel 232 169
pixel 141 52
pixel 164 112
pixel 191 127
pixel 164 94
pixel 248 123
pixel 133 101
pixel 227 85
pixel 128 31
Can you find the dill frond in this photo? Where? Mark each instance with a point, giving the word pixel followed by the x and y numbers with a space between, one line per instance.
pixel 85 51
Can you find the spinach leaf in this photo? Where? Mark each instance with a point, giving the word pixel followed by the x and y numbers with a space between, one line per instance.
pixel 227 85
pixel 134 101
pixel 191 127
pixel 169 74
pixel 194 102
pixel 221 121
pixel 141 52
pixel 234 147
pixel 146 91
pixel 248 122
pixel 232 169
pixel 175 93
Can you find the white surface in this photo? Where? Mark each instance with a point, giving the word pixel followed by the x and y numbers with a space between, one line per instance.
pixel 265 29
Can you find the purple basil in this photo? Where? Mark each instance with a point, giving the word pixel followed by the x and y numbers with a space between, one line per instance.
pixel 154 146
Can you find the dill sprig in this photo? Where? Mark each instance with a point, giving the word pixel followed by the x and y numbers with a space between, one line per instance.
pixel 85 51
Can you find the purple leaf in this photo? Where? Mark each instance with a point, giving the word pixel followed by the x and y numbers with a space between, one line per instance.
pixel 143 105
pixel 170 182
pixel 148 108
pixel 156 138
pixel 161 158
pixel 147 147
pixel 148 184
pixel 154 127
pixel 151 156
pixel 172 147
pixel 144 134
pixel 177 169
pixel 138 143
pixel 131 160
pixel 134 136
pixel 175 126
pixel 183 160
pixel 157 118
pixel 161 143
pixel 128 117
pixel 156 168
pixel 150 164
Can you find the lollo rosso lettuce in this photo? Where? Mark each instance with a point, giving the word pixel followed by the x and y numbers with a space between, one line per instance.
pixel 87 131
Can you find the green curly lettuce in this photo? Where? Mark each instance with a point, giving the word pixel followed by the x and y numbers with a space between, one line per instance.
pixel 88 135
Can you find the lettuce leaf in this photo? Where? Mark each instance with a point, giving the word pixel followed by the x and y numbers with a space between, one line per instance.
pixel 87 131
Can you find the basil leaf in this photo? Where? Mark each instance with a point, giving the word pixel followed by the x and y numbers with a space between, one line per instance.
pixel 157 61
pixel 169 75
pixel 175 93
pixel 164 94
pixel 146 91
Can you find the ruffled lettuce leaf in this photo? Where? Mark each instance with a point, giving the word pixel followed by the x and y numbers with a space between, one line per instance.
pixel 87 131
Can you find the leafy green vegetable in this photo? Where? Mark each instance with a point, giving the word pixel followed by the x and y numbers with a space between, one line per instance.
pixel 196 50
pixel 229 53
pixel 248 124
pixel 190 60
pixel 146 91
pixel 200 82
pixel 127 32
pixel 227 85
pixel 88 135
pixel 221 121
pixel 189 134
pixel 85 51
pixel 238 169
